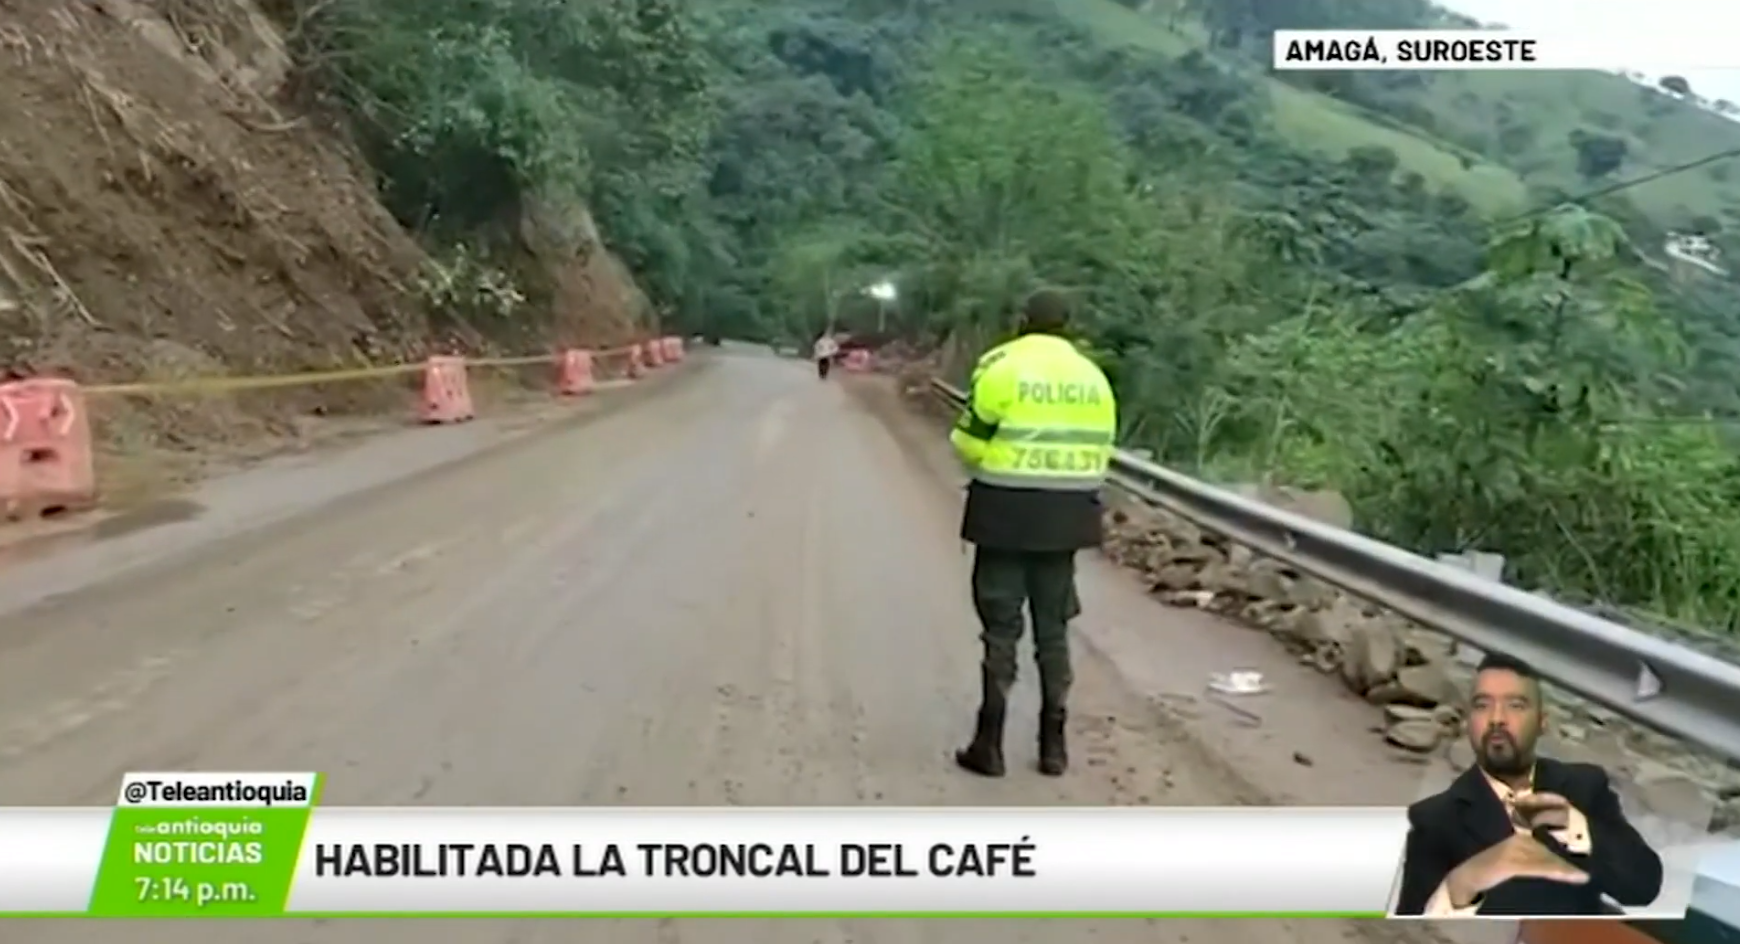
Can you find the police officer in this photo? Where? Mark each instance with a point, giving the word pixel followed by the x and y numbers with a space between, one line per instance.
pixel 1036 437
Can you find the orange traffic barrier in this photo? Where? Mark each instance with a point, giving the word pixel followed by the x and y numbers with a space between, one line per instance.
pixel 46 440
pixel 446 391
pixel 574 373
pixel 45 448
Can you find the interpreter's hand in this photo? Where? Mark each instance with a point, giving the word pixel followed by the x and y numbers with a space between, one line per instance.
pixel 1542 811
pixel 1520 856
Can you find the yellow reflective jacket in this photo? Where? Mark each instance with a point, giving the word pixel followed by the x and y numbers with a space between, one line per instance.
pixel 1039 415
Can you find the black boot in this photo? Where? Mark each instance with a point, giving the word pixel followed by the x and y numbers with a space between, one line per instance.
pixel 985 755
pixel 1053 751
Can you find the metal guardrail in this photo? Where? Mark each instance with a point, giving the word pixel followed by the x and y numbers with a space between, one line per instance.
pixel 1670 688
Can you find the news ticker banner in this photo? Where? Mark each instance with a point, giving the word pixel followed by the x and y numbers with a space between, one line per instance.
pixel 234 845
pixel 1499 49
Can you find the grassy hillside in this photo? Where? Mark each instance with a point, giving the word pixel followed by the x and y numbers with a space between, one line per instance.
pixel 1660 132
pixel 1313 120
pixel 1460 130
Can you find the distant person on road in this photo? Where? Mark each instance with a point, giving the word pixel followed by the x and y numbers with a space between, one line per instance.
pixel 826 351
pixel 1036 437
pixel 1519 834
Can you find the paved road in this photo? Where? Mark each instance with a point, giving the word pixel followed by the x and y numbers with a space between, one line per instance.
pixel 744 589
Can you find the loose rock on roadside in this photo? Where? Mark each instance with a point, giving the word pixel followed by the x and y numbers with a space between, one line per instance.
pixel 1409 671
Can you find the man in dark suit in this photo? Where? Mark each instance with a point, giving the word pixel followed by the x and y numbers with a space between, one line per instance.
pixel 1518 834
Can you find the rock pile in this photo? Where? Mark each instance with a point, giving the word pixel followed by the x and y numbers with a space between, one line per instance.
pixel 1380 657
pixel 1410 673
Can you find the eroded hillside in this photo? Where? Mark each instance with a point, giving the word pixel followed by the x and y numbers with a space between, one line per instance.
pixel 165 210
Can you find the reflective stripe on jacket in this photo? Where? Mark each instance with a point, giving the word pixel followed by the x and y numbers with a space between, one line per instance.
pixel 1040 415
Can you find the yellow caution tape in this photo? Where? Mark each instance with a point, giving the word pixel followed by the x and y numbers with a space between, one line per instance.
pixel 231 384
pixel 273 381
pixel 511 361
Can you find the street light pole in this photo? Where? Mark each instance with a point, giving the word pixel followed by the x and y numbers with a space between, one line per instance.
pixel 884 292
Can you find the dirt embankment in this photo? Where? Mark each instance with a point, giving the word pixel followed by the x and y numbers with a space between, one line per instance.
pixel 164 212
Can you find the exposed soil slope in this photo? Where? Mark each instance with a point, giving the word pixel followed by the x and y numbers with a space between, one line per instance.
pixel 151 195
pixel 164 213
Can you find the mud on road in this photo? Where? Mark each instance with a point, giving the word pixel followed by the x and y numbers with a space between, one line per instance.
pixel 745 589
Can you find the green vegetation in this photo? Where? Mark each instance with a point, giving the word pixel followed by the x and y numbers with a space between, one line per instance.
pixel 1328 280
pixel 1318 122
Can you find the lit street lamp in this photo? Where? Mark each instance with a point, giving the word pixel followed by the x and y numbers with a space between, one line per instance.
pixel 884 292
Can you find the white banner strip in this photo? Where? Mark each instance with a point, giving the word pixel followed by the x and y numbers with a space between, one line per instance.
pixel 1390 50
pixel 782 861
pixel 49 858
pixel 1197 860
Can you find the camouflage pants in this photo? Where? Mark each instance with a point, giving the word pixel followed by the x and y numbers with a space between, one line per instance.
pixel 1009 587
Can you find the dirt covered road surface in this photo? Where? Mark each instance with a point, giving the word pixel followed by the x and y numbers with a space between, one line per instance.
pixel 743 589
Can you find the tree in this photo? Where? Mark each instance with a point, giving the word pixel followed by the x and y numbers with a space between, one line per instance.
pixel 1507 416
pixel 1373 162
pixel 1518 137
pixel 1597 154
pixel 1005 173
